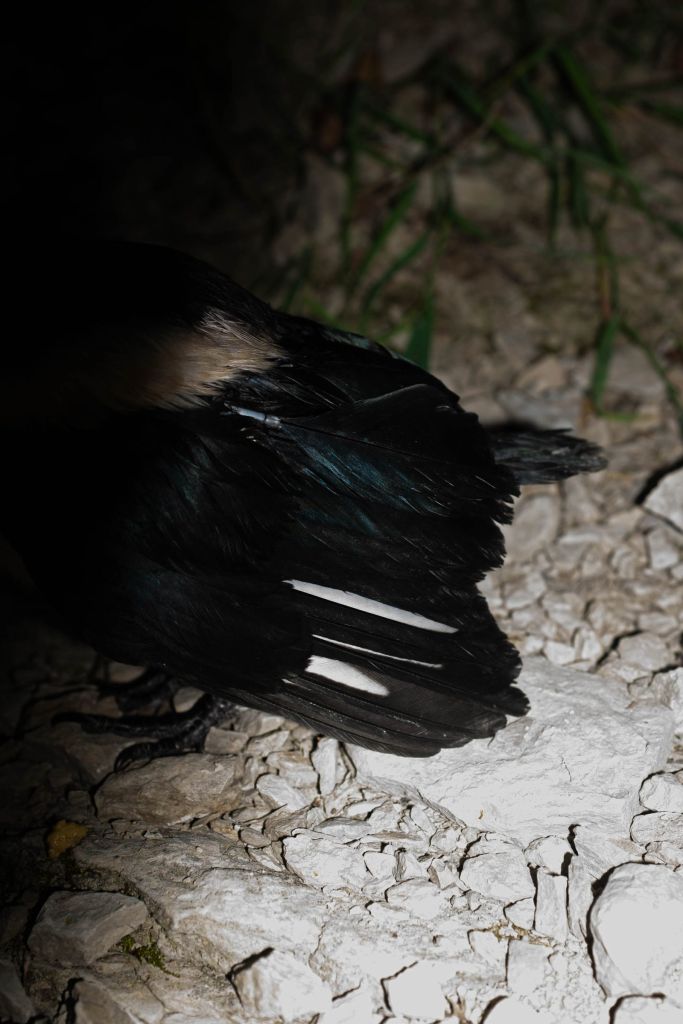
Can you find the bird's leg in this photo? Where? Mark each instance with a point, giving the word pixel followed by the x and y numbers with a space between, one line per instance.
pixel 168 734
pixel 152 688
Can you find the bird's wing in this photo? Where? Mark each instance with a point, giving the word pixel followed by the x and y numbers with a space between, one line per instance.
pixel 321 566
pixel 395 525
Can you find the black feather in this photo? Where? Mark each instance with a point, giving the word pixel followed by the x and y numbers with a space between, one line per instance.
pixel 307 540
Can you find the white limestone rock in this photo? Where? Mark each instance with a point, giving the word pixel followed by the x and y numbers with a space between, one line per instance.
pixel 417 991
pixel 658 827
pixel 170 789
pixel 550 853
pixel 224 741
pixel 295 768
pixel 559 653
pixel 521 914
pixel 664 853
pixel 666 499
pixel 502 874
pixel 15 1005
pixel 535 526
pixel 578 757
pixel 580 897
pixel 443 874
pixel 600 852
pixel 121 990
pixel 380 865
pixel 319 861
pixel 95 1004
pixel 80 927
pixel 512 1010
pixel 418 897
pixel 257 723
pixel 278 986
pixel 643 1010
pixel 663 553
pixel 551 906
pixel 408 866
pixel 663 792
pixel 220 906
pixel 595 855
pixel 186 697
pixel 277 792
pixel 636 926
pixel 343 830
pixel 527 966
pixel 324 760
pixel 490 947
pixel 644 650
pixel 670 686
pixel 354 1007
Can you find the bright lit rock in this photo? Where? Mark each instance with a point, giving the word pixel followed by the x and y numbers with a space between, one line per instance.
pixel 527 966
pixel 663 792
pixel 578 757
pixel 419 897
pixel 636 926
pixel 277 792
pixel 417 992
pixel 642 1010
pixel 551 906
pixel 352 1008
pixel 658 827
pixel 550 853
pixel 324 760
pixel 278 986
pixel 79 927
pixel 321 861
pixel 511 1010
pixel 170 789
pixel 503 875
pixel 666 499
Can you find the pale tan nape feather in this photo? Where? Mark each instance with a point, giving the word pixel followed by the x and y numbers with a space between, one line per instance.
pixel 175 369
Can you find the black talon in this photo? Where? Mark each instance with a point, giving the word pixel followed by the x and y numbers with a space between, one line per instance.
pixel 152 688
pixel 170 734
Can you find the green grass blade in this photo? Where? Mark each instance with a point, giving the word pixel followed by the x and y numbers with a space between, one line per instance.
pixel 604 351
pixel 303 270
pixel 462 92
pixel 421 337
pixel 542 111
pixel 401 261
pixel 667 111
pixel 579 199
pixel 396 215
pixel 352 179
pixel 398 124
pixel 672 392
pixel 554 205
pixel 587 98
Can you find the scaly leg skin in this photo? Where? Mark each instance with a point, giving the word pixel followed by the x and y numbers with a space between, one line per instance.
pixel 176 733
pixel 152 688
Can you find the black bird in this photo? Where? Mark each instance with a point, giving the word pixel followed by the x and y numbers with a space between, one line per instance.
pixel 283 514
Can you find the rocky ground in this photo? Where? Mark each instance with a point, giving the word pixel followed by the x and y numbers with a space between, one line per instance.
pixel 279 876
pixel 536 878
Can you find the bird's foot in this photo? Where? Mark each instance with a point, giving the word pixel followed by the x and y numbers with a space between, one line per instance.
pixel 153 688
pixel 169 734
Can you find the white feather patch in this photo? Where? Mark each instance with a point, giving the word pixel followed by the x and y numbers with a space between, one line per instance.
pixel 372 607
pixel 347 675
pixel 381 654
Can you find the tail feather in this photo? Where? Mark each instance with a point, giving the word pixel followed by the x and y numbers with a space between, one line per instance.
pixel 543 456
